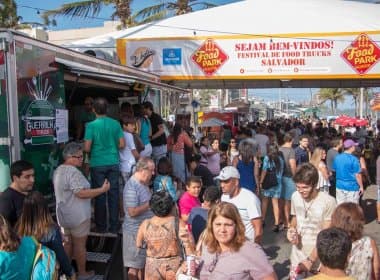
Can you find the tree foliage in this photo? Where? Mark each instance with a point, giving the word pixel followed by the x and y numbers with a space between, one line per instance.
pixel 8 14
pixel 334 95
pixel 168 8
pixel 355 93
pixel 92 8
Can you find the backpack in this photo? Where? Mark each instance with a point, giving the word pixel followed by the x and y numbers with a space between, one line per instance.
pixel 45 265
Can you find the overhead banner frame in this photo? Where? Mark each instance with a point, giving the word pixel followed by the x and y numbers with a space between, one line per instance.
pixel 344 55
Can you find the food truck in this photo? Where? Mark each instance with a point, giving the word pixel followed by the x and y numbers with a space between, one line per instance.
pixel 41 92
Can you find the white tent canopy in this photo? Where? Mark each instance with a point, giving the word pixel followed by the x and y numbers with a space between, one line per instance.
pixel 263 22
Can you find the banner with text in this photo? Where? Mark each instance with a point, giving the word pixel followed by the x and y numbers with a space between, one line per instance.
pixel 351 56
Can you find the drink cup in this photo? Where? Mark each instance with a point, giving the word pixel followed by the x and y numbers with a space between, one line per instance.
pixel 293 234
pixel 191 267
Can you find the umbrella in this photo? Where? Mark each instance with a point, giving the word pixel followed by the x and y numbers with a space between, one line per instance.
pixel 345 120
pixel 342 120
pixel 361 122
pixel 212 122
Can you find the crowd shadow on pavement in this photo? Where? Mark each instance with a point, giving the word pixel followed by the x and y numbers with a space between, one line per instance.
pixel 277 247
pixel 280 267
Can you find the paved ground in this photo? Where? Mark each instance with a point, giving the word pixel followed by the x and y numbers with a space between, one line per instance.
pixel 278 248
pixel 276 245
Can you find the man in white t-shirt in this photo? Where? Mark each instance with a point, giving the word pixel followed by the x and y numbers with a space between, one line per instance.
pixel 311 212
pixel 246 201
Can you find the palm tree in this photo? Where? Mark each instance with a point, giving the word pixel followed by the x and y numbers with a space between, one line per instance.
pixel 355 93
pixel 8 14
pixel 334 95
pixel 176 7
pixel 92 8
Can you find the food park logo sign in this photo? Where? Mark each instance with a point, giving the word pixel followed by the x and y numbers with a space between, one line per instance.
pixel 209 57
pixel 361 54
pixel 39 117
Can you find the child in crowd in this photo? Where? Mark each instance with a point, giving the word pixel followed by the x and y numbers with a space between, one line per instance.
pixel 163 181
pixel 199 170
pixel 129 154
pixel 333 247
pixel 190 199
pixel 198 215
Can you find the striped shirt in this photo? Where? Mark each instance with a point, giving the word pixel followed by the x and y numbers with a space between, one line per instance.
pixel 135 194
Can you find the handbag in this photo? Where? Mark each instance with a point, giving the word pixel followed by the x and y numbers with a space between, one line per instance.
pixel 270 179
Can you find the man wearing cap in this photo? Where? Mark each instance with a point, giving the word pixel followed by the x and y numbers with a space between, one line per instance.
pixel 246 201
pixel 349 184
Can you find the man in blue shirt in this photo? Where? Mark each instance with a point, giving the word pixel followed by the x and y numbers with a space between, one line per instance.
pixel 302 152
pixel 349 184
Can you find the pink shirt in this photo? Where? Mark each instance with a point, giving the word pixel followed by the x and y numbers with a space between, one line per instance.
pixel 186 203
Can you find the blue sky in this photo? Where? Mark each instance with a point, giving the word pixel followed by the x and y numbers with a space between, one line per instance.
pixel 28 9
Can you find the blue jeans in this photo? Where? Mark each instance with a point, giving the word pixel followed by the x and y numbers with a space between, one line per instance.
pixel 98 175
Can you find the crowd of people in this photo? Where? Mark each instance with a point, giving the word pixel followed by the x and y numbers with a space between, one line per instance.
pixel 206 196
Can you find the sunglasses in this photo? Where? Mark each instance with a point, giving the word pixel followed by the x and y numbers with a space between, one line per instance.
pixel 77 156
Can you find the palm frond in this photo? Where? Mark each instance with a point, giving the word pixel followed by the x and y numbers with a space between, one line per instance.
pixel 77 9
pixel 150 11
pixel 205 5
pixel 152 18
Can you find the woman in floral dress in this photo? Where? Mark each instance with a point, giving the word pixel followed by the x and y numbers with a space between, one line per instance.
pixel 164 239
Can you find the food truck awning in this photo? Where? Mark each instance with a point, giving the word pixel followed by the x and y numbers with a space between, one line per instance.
pixel 80 69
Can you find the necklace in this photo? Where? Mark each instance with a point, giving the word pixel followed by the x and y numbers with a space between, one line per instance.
pixel 307 208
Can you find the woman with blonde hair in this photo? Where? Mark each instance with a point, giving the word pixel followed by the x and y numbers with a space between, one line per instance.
pixel 36 221
pixel 16 255
pixel 363 263
pixel 226 253
pixel 318 160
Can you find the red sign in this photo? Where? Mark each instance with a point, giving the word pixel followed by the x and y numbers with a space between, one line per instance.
pixel 209 57
pixel 362 54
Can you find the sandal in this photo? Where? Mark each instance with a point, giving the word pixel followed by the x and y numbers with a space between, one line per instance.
pixel 276 228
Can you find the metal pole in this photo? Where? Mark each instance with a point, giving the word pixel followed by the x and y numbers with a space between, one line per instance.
pixel 361 103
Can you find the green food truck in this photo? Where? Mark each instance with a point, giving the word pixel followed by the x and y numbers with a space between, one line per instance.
pixel 42 88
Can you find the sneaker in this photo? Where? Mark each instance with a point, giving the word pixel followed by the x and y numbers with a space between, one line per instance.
pixel 281 226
